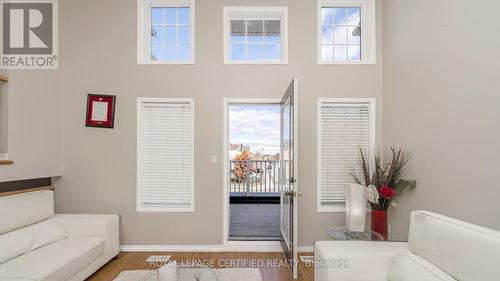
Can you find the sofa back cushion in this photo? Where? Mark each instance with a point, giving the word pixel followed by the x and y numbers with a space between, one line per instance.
pixel 465 251
pixel 410 267
pixel 29 238
pixel 20 210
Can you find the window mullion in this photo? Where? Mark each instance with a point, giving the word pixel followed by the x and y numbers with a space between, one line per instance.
pixel 246 40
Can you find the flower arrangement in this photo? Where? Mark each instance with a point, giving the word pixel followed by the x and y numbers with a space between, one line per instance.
pixel 384 180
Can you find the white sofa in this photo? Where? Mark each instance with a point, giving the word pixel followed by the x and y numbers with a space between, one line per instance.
pixel 36 244
pixel 439 248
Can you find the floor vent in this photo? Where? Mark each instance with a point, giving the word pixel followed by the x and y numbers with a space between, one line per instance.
pixel 160 260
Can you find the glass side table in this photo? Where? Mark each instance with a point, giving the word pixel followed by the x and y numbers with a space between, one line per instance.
pixel 341 233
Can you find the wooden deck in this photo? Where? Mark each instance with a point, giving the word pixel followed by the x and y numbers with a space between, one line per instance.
pixel 254 222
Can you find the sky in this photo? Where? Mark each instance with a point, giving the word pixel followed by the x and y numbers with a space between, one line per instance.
pixel 257 126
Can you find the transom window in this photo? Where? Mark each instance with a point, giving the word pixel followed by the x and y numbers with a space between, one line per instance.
pixel 256 40
pixel 166 31
pixel 341 34
pixel 255 35
pixel 170 34
pixel 346 31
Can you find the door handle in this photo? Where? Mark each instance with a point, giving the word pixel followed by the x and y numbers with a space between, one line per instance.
pixel 293 193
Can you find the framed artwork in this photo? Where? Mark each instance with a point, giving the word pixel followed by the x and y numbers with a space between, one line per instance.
pixel 100 111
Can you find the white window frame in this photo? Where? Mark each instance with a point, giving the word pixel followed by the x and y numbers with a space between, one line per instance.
pixel 368 30
pixel 371 144
pixel 139 207
pixel 255 13
pixel 144 28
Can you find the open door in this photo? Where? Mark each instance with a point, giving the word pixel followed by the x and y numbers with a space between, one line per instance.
pixel 288 173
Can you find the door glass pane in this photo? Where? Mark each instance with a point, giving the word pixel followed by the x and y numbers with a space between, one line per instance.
pixel 285 172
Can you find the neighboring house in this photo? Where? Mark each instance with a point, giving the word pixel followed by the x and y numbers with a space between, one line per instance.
pixel 237 148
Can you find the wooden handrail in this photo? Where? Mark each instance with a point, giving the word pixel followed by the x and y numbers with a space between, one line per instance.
pixel 6 162
pixel 4 78
pixel 8 193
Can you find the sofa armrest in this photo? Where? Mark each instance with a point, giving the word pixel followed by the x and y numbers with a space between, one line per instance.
pixel 354 260
pixel 103 226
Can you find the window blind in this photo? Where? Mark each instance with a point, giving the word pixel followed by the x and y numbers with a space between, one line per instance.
pixel 255 27
pixel 165 155
pixel 343 128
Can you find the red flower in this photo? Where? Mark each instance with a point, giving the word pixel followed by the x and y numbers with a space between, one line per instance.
pixel 387 192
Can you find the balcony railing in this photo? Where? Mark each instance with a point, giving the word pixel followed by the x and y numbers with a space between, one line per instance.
pixel 254 178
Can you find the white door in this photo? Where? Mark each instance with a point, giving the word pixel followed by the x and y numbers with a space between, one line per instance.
pixel 288 173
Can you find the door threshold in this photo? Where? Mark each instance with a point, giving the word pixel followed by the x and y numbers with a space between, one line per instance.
pixel 253 246
pixel 254 238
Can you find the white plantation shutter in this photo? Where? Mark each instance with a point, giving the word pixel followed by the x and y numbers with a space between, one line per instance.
pixel 343 128
pixel 165 155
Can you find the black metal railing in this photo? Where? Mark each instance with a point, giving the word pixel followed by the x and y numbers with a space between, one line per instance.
pixel 254 178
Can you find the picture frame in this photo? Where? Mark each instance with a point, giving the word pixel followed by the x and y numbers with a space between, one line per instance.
pixel 100 111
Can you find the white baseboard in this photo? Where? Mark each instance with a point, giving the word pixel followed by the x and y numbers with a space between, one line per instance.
pixel 172 248
pixel 231 246
pixel 305 249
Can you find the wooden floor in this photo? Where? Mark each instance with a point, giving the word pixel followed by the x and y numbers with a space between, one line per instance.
pixel 254 222
pixel 137 261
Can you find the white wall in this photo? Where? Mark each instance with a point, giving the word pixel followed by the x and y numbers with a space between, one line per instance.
pixel 99 51
pixel 35 137
pixel 441 100
pixel 4 106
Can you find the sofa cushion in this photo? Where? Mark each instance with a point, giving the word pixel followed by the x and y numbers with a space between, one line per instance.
pixel 20 210
pixel 410 267
pixel 57 261
pixel 45 232
pixel 27 239
pixel 355 260
pixel 15 243
pixel 465 251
